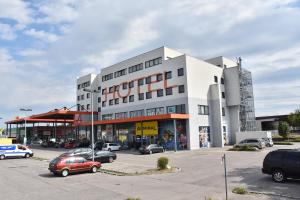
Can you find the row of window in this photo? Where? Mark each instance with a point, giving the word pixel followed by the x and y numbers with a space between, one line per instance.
pixel 81 97
pixel 149 112
pixel 82 108
pixel 84 85
pixel 204 110
pixel 132 69
pixel 216 80
pixel 142 81
pixel 142 96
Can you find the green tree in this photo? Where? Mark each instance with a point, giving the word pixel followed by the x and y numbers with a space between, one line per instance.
pixel 284 129
pixel 294 118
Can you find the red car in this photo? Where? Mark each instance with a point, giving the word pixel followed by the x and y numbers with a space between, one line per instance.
pixel 71 144
pixel 65 165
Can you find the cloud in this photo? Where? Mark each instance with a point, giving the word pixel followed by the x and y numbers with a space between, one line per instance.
pixel 42 35
pixel 6 32
pixel 31 52
pixel 17 10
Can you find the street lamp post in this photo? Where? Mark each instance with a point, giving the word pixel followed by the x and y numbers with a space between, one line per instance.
pixel 92 111
pixel 25 110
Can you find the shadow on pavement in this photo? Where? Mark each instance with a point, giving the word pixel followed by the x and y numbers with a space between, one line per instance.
pixel 256 181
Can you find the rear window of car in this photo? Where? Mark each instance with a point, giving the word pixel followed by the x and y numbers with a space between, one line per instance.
pixel 276 155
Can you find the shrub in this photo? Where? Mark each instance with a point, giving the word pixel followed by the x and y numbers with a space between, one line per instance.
pixel 132 198
pixel 283 143
pixel 162 163
pixel 284 129
pixel 243 148
pixel 239 190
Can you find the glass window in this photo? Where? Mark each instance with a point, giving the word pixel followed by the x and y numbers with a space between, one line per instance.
pixel 148 80
pixel 99 99
pixel 131 84
pixel 141 81
pixel 223 111
pixel 180 72
pixel 124 85
pixel 88 106
pixel 223 95
pixel 216 79
pixel 117 101
pixel 124 99
pixel 148 95
pixel 103 91
pixel 111 89
pixel 131 98
pixel 99 109
pixel 171 109
pixel 141 96
pixel 169 91
pixel 168 75
pixel 103 103
pixel 111 102
pixel 203 110
pixel 160 92
pixel 222 81
pixel 159 77
pixel 181 89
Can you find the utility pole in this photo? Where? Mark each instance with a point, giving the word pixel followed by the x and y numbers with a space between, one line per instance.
pixel 225 173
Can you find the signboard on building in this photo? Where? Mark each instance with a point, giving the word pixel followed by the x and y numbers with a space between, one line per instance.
pixel 149 128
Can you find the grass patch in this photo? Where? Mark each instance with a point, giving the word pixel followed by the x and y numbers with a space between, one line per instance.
pixel 133 198
pixel 292 138
pixel 239 190
pixel 283 143
pixel 243 148
pixel 146 172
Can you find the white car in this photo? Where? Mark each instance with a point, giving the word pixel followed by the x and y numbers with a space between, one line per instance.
pixel 111 147
pixel 14 150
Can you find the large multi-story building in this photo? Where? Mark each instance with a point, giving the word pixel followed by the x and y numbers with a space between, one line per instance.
pixel 167 97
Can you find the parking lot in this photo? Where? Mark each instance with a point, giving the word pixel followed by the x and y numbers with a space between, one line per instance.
pixel 201 176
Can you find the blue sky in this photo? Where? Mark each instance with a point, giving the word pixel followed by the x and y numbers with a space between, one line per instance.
pixel 45 45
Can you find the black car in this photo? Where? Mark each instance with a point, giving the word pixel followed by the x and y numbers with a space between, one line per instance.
pixel 77 152
pixel 152 148
pixel 282 164
pixel 102 156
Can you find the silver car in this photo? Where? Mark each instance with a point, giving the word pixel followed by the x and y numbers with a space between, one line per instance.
pixel 257 143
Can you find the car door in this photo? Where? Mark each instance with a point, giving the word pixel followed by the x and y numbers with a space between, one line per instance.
pixel 20 151
pixel 71 164
pixel 292 164
pixel 81 164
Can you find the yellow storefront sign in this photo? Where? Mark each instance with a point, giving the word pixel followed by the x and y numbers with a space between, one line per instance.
pixel 149 128
pixel 5 140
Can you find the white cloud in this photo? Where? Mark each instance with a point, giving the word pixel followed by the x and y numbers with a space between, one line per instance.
pixel 17 10
pixel 31 52
pixel 42 35
pixel 7 32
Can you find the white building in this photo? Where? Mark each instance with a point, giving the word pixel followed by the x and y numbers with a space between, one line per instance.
pixel 208 100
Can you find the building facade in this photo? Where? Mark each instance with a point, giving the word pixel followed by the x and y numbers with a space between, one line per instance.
pixel 212 100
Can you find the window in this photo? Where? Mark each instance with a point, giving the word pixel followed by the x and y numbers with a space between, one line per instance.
pixel 121 115
pixel 103 91
pixel 135 68
pixel 216 79
pixel 136 113
pixel 223 111
pixel 153 62
pixel 155 111
pixel 107 77
pixel 78 107
pixel 168 75
pixel 141 96
pixel 223 95
pixel 205 129
pixel 203 110
pixel 222 81
pixel 169 91
pixel 107 116
pixel 148 95
pixel 111 89
pixel 99 99
pixel 82 107
pixel 116 101
pixel 224 129
pixel 78 98
pixel 131 98
pixel 131 84
pixel 99 109
pixel 99 88
pixel 176 109
pixel 111 102
pixel 141 82
pixel 88 106
pixel 159 77
pixel 180 72
pixel 120 73
pixel 148 80
pixel 171 109
pixel 82 97
pixel 124 99
pixel 103 103
pixel 125 85
pixel 181 89
pixel 88 95
pixel 116 88
pixel 160 92
pixel 78 86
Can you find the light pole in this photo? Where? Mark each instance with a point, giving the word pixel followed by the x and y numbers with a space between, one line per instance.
pixel 25 110
pixel 92 111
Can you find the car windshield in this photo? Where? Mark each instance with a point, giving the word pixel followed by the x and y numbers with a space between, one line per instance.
pixel 55 161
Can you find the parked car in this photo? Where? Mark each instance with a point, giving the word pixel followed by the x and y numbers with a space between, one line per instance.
pixel 65 165
pixel 48 144
pixel 77 152
pixel 102 156
pixel 282 164
pixel 36 141
pixel 152 148
pixel 268 142
pixel 111 147
pixel 84 143
pixel 257 143
pixel 14 150
pixel 71 144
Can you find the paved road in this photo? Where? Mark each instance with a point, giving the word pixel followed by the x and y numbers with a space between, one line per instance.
pixel 201 176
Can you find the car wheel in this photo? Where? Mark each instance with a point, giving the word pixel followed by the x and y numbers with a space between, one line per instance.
pixel 278 176
pixel 65 173
pixel 110 159
pixel 94 169
pixel 2 157
pixel 27 155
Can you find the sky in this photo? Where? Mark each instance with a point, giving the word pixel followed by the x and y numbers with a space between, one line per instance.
pixel 45 45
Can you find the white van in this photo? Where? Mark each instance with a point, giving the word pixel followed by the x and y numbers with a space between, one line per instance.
pixel 14 150
pixel 111 147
